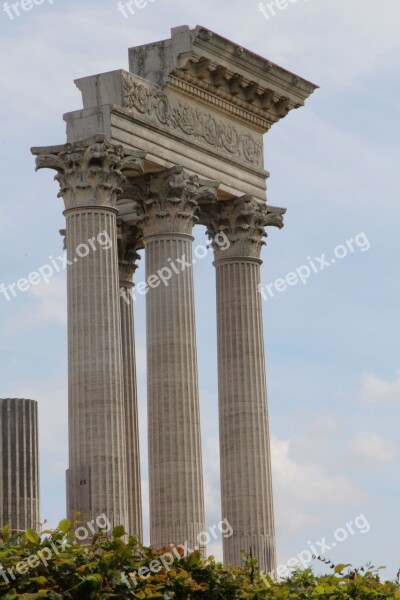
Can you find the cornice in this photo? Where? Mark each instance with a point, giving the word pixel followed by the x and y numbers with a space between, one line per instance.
pixel 214 70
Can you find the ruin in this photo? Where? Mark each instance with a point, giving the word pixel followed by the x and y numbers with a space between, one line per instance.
pixel 176 141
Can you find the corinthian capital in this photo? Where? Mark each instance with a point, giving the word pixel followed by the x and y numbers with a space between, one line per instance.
pixel 90 172
pixel 130 240
pixel 167 202
pixel 242 222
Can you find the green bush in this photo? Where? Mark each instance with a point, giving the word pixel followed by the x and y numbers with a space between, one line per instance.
pixel 54 566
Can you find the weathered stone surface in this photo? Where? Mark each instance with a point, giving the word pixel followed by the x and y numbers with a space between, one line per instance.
pixel 243 221
pixel 129 240
pixel 19 464
pixel 176 141
pixel 195 100
pixel 167 214
pixel 204 65
pixel 90 174
pixel 246 480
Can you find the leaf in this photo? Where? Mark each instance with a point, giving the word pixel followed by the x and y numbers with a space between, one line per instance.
pixel 118 531
pixel 65 526
pixel 5 532
pixel 96 579
pixel 40 581
pixel 133 541
pixel 319 589
pixel 339 568
pixel 32 536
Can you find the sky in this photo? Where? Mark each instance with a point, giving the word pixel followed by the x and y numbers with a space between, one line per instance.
pixel 333 364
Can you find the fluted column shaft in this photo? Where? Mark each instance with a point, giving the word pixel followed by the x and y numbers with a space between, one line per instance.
pixel 246 480
pixel 127 266
pixel 96 408
pixel 19 464
pixel 90 175
pixel 175 461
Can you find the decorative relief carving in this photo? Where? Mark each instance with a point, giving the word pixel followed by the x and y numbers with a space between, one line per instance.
pixel 89 172
pixel 167 202
pixel 243 221
pixel 129 240
pixel 192 121
pixel 220 100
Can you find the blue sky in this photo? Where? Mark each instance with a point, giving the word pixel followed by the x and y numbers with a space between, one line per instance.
pixel 332 345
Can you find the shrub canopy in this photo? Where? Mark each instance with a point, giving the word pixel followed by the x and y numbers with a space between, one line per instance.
pixel 54 566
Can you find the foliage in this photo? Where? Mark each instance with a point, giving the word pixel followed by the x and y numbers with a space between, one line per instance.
pixel 95 571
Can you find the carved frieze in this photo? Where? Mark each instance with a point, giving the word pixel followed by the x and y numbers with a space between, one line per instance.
pixel 191 121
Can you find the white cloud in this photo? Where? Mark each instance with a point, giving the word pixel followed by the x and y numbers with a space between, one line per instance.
pixel 378 391
pixel 304 489
pixel 373 448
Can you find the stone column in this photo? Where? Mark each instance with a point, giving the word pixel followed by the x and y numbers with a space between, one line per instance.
pixel 90 174
pixel 246 481
pixel 168 215
pixel 19 464
pixel 128 242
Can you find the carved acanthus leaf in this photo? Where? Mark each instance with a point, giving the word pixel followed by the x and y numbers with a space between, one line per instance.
pixel 243 222
pixel 89 172
pixel 130 240
pixel 168 201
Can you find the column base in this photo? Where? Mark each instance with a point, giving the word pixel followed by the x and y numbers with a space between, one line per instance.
pixel 255 545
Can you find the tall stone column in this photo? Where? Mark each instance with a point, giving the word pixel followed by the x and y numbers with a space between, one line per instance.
pixel 90 174
pixel 246 481
pixel 175 461
pixel 128 242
